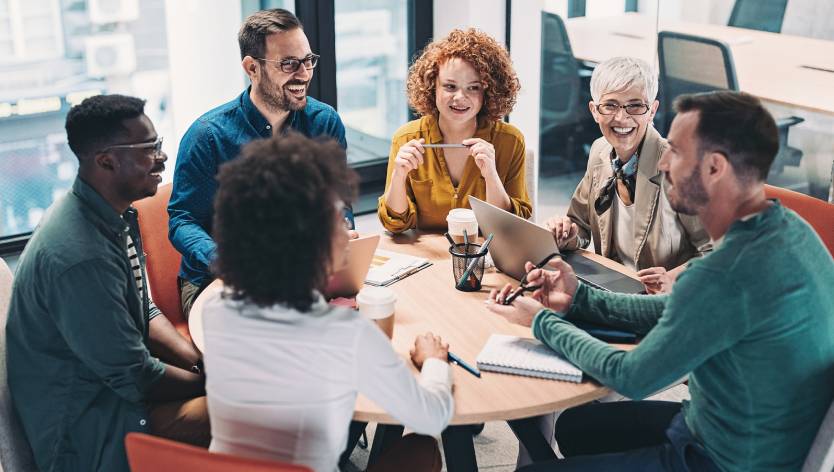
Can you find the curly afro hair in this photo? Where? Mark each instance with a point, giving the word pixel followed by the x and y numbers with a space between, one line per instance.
pixel 274 218
pixel 97 122
pixel 490 60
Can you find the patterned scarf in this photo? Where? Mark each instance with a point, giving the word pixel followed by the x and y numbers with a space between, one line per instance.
pixel 622 182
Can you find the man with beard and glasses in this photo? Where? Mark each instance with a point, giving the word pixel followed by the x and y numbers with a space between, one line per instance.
pixel 277 58
pixel 751 323
pixel 90 358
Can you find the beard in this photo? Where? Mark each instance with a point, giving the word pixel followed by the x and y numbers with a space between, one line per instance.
pixel 691 194
pixel 277 98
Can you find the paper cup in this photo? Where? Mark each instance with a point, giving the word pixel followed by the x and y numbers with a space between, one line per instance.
pixel 377 304
pixel 460 219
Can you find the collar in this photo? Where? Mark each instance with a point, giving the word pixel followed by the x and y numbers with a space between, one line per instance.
pixel 257 119
pixel 280 311
pixel 484 130
pixel 111 220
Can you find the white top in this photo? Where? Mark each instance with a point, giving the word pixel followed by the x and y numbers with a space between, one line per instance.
pixel 282 384
pixel 624 239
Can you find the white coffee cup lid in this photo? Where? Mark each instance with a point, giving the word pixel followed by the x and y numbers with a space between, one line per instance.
pixel 376 296
pixel 461 215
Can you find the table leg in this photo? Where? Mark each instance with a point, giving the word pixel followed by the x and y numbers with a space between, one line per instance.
pixel 527 432
pixel 384 437
pixel 354 433
pixel 459 449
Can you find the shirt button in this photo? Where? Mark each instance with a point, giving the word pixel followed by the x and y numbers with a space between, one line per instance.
pixel 142 422
pixel 268 127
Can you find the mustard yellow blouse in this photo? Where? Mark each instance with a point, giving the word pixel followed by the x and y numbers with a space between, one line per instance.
pixel 429 187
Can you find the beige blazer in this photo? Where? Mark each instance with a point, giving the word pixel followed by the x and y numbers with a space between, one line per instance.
pixel 663 237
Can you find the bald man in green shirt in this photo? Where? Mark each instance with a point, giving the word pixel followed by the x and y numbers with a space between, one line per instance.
pixel 752 323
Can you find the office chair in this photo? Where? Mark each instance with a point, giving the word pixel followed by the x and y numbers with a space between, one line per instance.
pixel 15 452
pixel 565 120
pixel 763 15
pixel 693 64
pixel 816 212
pixel 146 453
pixel 163 260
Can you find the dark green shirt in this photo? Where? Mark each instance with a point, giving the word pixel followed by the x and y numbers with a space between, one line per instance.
pixel 753 325
pixel 78 362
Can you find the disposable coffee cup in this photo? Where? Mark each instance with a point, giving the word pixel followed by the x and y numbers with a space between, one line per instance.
pixel 460 219
pixel 377 304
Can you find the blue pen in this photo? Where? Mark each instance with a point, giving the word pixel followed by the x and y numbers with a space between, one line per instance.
pixel 457 360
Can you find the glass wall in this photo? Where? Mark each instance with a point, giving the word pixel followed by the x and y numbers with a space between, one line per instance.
pixel 53 54
pixel 371 67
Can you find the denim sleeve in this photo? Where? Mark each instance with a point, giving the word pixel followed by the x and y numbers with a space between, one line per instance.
pixel 191 206
pixel 336 129
pixel 90 310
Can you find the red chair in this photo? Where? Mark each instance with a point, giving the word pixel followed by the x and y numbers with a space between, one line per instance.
pixel 146 453
pixel 819 214
pixel 163 261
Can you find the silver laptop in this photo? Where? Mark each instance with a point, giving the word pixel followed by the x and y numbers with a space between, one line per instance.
pixel 517 241
pixel 348 280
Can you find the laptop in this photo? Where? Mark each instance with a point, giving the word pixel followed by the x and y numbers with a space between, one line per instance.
pixel 348 280
pixel 517 241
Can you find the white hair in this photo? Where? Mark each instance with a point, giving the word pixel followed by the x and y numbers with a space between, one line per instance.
pixel 621 73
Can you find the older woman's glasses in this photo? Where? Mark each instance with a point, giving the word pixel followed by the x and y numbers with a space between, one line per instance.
pixel 630 108
pixel 289 66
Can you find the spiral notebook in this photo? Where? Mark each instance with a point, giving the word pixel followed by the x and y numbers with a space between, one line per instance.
pixel 525 356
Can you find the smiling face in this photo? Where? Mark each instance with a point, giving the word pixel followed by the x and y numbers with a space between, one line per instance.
pixel 279 90
pixel 459 93
pixel 623 131
pixel 137 171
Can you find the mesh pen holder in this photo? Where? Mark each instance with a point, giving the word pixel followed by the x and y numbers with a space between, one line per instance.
pixel 461 259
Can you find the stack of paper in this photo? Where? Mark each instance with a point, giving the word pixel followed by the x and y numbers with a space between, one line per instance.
pixel 388 267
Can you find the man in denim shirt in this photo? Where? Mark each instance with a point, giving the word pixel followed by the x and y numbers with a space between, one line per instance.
pixel 277 58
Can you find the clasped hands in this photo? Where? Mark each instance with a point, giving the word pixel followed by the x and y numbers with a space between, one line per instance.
pixel 410 155
pixel 556 289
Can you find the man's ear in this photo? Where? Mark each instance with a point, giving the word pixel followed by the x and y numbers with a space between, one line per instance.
pixel 717 166
pixel 106 161
pixel 250 67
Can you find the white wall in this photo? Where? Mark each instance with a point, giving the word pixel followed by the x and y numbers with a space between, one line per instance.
pixel 486 15
pixel 204 58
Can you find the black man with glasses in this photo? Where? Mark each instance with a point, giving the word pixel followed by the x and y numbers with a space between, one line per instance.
pixel 90 358
pixel 276 56
pixel 620 203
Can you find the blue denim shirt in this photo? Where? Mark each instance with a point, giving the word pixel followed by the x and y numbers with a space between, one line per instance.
pixel 213 139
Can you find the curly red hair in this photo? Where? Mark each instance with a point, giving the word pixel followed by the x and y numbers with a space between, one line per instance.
pixel 489 59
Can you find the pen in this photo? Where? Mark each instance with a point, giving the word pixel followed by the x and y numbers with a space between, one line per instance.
pixel 444 145
pixel 457 360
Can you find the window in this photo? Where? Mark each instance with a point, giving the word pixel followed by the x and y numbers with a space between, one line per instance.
pixel 53 54
pixel 371 68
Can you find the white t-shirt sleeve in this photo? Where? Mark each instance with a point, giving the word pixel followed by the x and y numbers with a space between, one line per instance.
pixel 425 406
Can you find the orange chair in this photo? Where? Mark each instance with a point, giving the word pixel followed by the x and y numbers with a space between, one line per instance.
pixel 819 214
pixel 163 262
pixel 146 453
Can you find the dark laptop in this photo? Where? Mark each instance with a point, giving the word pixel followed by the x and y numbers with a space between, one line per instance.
pixel 517 241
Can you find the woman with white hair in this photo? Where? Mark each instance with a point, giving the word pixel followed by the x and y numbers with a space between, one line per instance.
pixel 620 201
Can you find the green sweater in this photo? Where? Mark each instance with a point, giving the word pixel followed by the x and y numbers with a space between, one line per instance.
pixel 752 323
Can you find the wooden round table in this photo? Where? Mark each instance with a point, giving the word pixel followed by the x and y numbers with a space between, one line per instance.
pixel 428 301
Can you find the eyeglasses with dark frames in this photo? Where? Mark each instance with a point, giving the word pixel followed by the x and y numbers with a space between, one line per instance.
pixel 155 146
pixel 289 66
pixel 630 108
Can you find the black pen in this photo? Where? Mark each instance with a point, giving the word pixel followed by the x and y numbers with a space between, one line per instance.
pixel 457 360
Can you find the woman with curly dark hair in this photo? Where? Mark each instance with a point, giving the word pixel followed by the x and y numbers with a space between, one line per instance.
pixel 284 366
pixel 462 85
